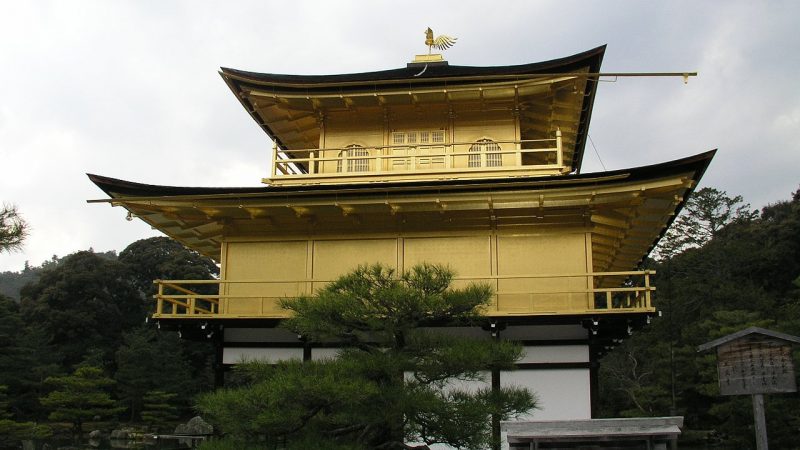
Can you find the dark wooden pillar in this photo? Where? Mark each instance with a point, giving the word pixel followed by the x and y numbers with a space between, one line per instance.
pixel 495 332
pixel 219 367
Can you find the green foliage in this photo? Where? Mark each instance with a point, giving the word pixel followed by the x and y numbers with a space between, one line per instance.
pixel 87 309
pixel 25 361
pixel 13 229
pixel 740 271
pixel 165 259
pixel 12 431
pixel 159 408
pixel 393 381
pixel 83 303
pixel 80 396
pixel 706 212
pixel 150 361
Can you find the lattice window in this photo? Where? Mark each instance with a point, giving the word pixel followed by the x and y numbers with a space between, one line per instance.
pixel 354 163
pixel 488 147
pixel 427 146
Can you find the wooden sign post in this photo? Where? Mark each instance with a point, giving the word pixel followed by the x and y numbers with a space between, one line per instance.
pixel 754 362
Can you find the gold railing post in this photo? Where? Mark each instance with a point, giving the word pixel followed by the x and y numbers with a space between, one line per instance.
pixel 274 164
pixel 344 160
pixel 609 300
pixel 223 301
pixel 518 152
pixel 559 152
pixel 311 163
pixel 379 159
pixel 190 305
pixel 647 288
pixel 448 155
pixel 159 300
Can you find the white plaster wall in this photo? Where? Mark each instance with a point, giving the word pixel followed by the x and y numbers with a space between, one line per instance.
pixel 555 354
pixel 546 332
pixel 324 353
pixel 236 355
pixel 259 335
pixel 562 394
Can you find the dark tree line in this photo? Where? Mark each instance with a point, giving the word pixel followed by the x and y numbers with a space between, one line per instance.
pixel 722 268
pixel 81 322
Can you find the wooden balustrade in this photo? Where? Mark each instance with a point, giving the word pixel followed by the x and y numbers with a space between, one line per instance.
pixel 485 157
pixel 514 295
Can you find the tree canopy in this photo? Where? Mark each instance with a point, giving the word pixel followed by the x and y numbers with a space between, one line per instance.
pixel 90 308
pixel 744 272
pixel 13 229
pixel 84 303
pixel 81 396
pixel 391 386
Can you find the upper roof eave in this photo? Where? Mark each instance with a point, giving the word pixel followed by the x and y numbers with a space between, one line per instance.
pixel 590 58
pixel 239 81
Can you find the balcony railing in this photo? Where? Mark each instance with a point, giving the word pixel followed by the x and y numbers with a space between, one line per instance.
pixel 439 160
pixel 515 295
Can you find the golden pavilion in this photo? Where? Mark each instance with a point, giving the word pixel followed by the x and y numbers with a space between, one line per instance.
pixel 477 168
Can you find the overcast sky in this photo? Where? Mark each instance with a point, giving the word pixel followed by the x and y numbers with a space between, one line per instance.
pixel 130 90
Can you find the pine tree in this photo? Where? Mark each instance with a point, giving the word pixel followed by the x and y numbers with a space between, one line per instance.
pixel 79 397
pixel 12 431
pixel 159 407
pixel 13 229
pixel 392 384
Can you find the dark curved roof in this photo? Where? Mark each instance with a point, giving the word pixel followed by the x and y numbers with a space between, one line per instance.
pixel 116 188
pixel 591 58
pixel 433 75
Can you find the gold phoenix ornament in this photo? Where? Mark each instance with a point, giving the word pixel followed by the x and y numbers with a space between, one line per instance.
pixel 441 42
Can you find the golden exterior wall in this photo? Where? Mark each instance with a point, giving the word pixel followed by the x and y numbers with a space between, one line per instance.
pixel 373 130
pixel 263 271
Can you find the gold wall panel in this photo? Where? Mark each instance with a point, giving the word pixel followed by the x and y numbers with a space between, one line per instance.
pixel 552 254
pixel 263 262
pixel 467 256
pixel 332 258
pixel 476 257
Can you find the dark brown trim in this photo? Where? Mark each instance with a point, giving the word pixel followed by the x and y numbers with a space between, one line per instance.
pixel 553 366
pixel 297 344
pixel 594 388
pixel 553 342
pixel 218 365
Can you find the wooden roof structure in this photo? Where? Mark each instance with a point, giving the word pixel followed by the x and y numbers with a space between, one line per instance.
pixel 548 95
pixel 747 332
pixel 627 210
pixel 594 433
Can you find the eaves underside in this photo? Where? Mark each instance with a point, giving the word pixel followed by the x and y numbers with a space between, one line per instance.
pixel 627 210
pixel 252 89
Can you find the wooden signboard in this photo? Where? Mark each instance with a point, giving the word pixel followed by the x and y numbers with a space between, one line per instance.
pixel 756 364
pixel 755 361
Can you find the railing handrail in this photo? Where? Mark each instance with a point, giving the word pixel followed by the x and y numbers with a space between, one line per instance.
pixel 410 158
pixel 188 303
pixel 414 145
pixel 427 155
pixel 213 297
pixel 457 278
